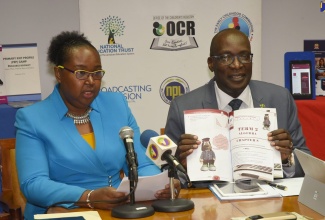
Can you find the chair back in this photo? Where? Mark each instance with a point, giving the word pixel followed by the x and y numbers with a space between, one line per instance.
pixel 10 184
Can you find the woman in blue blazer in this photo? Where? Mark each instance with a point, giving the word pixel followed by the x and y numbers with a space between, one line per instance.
pixel 68 146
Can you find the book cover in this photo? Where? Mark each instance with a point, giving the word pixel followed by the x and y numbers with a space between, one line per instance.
pixel 180 43
pixel 234 146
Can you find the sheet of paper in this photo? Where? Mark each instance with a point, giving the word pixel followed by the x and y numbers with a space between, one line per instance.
pixel 293 186
pixel 147 186
pixel 91 215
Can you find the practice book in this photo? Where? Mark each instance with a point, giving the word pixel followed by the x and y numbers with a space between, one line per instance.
pixel 234 146
pixel 180 43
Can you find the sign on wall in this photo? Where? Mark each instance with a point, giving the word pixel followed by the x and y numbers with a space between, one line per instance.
pixel 20 80
pixel 154 51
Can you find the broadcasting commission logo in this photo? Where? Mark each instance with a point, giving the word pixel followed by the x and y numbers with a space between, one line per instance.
pixel 235 20
pixel 172 87
pixel 113 27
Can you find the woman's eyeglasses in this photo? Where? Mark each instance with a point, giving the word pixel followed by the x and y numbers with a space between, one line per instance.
pixel 83 74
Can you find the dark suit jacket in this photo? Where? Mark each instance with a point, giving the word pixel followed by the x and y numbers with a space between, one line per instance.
pixel 270 95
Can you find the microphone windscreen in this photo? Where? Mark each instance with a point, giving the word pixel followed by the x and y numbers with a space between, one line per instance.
pixel 146 135
pixel 126 132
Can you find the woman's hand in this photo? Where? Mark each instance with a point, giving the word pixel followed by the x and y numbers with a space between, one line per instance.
pixel 165 193
pixel 111 197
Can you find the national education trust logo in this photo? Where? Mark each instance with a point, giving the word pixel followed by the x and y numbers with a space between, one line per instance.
pixel 235 20
pixel 113 27
pixel 172 87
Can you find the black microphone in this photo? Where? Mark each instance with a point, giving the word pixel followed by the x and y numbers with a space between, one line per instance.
pixel 146 135
pixel 160 149
pixel 126 134
pixel 172 161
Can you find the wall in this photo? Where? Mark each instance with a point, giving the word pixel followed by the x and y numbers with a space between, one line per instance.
pixel 37 21
pixel 285 24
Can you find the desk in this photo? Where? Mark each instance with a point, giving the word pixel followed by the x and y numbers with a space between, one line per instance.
pixel 311 114
pixel 207 206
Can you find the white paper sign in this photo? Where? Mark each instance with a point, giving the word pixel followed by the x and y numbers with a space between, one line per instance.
pixel 21 69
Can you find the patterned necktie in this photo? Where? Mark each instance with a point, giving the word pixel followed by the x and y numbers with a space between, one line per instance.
pixel 235 104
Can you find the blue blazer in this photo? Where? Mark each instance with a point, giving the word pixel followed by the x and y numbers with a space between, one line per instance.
pixel 263 93
pixel 56 164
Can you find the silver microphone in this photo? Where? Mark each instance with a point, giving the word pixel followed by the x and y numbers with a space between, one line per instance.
pixel 126 134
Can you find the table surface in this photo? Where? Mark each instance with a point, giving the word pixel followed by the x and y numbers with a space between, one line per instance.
pixel 207 206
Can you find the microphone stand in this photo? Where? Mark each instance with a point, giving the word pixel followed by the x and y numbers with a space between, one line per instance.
pixel 173 204
pixel 132 210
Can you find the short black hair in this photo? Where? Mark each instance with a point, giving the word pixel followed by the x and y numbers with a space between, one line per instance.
pixel 233 30
pixel 62 44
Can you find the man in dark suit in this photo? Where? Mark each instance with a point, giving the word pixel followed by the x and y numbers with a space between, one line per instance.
pixel 231 61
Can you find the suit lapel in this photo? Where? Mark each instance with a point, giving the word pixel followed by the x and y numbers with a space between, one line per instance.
pixel 210 101
pixel 257 95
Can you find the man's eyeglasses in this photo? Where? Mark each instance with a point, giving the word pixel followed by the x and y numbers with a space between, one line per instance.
pixel 227 59
pixel 83 74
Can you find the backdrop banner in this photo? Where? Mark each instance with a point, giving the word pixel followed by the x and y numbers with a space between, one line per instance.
pixel 154 51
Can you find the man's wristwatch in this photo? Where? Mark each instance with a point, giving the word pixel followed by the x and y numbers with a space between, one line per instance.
pixel 287 162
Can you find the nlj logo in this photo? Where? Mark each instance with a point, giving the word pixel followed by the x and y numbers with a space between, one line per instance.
pixel 172 87
pixel 322 6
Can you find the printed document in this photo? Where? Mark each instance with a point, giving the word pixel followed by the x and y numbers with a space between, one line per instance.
pixel 234 145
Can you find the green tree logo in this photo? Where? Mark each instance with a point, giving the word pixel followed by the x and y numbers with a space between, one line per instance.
pixel 112 26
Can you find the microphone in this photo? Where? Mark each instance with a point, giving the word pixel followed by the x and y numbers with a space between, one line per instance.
pixel 160 149
pixel 131 210
pixel 146 135
pixel 172 161
pixel 126 134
